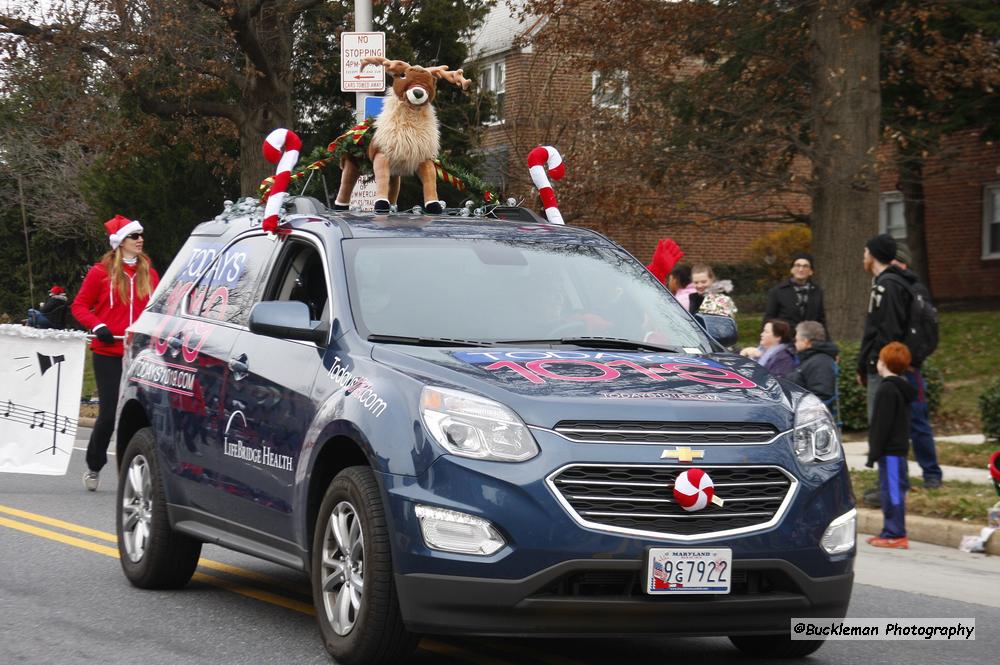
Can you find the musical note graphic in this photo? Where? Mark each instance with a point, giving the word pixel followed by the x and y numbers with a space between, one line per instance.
pixel 37 419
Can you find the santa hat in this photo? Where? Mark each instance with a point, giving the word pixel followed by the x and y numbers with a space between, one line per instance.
pixel 118 227
pixel 57 291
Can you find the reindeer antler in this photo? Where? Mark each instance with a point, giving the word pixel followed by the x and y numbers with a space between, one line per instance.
pixel 394 67
pixel 456 77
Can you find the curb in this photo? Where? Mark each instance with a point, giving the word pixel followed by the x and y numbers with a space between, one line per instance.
pixel 933 530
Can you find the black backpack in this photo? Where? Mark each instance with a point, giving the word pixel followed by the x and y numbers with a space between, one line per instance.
pixel 921 322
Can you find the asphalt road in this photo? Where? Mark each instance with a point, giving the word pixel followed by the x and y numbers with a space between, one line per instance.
pixel 63 599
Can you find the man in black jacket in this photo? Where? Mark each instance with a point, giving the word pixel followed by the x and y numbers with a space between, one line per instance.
pixel 888 310
pixel 53 311
pixel 799 298
pixel 817 370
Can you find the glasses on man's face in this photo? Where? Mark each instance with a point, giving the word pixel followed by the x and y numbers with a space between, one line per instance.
pixel 134 236
pixel 801 265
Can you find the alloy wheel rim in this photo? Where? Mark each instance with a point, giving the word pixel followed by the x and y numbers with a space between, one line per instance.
pixel 342 570
pixel 137 508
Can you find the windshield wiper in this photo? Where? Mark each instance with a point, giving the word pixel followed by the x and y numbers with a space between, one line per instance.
pixel 596 343
pixel 425 341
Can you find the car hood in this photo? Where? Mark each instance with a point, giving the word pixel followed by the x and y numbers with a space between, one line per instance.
pixel 548 385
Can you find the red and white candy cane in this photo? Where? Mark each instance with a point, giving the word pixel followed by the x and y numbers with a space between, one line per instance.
pixel 541 159
pixel 281 147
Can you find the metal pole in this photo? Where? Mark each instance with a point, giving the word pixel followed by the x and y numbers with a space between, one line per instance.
pixel 27 244
pixel 362 23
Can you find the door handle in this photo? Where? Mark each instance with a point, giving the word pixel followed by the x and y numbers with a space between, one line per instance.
pixel 239 367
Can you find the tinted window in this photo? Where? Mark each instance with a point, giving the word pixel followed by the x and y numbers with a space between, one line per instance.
pixel 230 281
pixel 300 276
pixel 500 290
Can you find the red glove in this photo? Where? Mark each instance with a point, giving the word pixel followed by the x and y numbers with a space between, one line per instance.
pixel 666 256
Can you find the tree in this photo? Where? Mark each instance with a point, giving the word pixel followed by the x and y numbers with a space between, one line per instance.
pixel 229 66
pixel 940 75
pixel 749 101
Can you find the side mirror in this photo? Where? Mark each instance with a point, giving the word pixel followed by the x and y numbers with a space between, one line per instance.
pixel 287 319
pixel 721 328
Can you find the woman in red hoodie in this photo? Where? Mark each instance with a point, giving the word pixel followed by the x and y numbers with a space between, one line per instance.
pixel 114 293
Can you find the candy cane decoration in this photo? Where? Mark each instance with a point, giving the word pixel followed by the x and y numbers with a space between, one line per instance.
pixel 540 159
pixel 281 147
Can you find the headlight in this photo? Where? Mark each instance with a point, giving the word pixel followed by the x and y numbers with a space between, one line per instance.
pixel 452 531
pixel 473 426
pixel 816 438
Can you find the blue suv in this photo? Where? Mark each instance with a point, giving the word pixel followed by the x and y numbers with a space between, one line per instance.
pixel 476 426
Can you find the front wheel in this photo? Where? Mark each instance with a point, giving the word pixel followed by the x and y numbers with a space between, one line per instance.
pixel 352 582
pixel 774 646
pixel 153 555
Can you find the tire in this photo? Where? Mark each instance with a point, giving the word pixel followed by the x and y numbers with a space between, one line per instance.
pixel 152 555
pixel 775 646
pixel 366 627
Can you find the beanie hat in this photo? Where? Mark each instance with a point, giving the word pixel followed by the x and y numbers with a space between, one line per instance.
pixel 118 227
pixel 882 247
pixel 57 290
pixel 903 253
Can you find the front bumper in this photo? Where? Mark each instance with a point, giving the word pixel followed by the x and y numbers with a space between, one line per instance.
pixel 556 576
pixel 605 598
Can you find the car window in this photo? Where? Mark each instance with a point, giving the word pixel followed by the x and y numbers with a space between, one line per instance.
pixel 483 289
pixel 231 283
pixel 299 275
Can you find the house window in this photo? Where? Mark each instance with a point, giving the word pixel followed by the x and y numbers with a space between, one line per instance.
pixel 991 221
pixel 493 80
pixel 610 91
pixel 890 218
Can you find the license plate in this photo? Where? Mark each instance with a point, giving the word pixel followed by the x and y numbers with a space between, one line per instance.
pixel 673 570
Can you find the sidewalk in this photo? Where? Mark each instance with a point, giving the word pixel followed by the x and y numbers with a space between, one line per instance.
pixel 856 454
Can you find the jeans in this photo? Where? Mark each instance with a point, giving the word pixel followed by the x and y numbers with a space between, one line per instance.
pixel 920 430
pixel 874 381
pixel 38 320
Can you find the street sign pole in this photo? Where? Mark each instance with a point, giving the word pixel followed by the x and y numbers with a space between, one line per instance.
pixel 362 23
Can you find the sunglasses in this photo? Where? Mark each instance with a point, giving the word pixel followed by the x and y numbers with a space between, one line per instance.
pixel 134 236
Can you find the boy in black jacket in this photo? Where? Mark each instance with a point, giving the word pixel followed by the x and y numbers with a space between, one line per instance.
pixel 889 442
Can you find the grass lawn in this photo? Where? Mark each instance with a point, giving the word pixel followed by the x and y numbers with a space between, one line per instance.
pixel 968 355
pixel 954 500
pixel 964 454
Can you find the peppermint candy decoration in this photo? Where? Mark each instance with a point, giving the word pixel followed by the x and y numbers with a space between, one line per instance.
pixel 541 159
pixel 281 147
pixel 693 490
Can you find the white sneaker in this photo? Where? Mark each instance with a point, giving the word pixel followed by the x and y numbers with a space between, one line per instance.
pixel 90 480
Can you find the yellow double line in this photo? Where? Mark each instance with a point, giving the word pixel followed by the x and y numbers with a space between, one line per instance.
pixel 445 649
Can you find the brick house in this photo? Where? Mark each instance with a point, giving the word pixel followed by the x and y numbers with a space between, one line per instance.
pixel 534 90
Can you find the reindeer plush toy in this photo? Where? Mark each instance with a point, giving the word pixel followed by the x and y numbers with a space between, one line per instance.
pixel 407 139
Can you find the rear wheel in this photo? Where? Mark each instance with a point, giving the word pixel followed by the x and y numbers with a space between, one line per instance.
pixel 152 555
pixel 775 646
pixel 353 588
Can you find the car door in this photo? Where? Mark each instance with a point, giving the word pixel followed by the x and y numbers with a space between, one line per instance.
pixel 211 314
pixel 269 395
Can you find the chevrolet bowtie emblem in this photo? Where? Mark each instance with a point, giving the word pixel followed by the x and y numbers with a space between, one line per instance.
pixel 683 454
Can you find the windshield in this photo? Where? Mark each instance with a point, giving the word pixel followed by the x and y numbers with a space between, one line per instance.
pixel 501 290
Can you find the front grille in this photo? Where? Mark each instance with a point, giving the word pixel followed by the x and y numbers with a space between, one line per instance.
pixel 639 499
pixel 660 433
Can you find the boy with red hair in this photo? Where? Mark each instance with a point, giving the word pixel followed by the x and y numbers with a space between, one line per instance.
pixel 889 442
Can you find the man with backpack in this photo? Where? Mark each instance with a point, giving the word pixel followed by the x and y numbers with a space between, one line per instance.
pixel 899 310
pixel 921 434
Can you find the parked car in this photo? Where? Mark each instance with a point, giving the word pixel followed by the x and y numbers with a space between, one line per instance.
pixel 464 425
